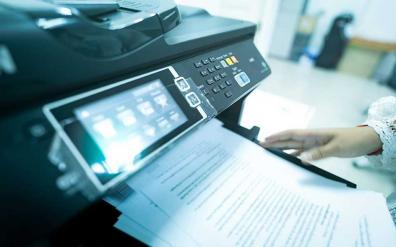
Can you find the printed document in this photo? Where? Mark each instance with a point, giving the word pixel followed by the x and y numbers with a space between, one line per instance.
pixel 216 188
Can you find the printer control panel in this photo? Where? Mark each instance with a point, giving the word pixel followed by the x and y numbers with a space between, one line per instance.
pixel 111 132
pixel 227 74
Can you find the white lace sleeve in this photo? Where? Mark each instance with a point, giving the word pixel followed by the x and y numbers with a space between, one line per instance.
pixel 382 117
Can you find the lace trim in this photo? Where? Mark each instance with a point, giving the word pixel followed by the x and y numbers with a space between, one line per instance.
pixel 383 109
pixel 387 132
pixel 382 117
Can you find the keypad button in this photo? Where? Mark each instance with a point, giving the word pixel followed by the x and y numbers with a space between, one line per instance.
pixel 229 61
pixel 217 78
pixel 212 59
pixel 205 61
pixel 205 91
pixel 198 65
pixel 224 64
pixel 204 73
pixel 228 83
pixel 228 94
pixel 245 78
pixel 223 75
pixel 222 85
pixel 216 89
pixel 218 67
pixel 242 79
pixel 211 70
pixel 234 59
pixel 210 81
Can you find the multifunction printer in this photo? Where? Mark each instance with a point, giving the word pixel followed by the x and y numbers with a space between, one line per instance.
pixel 91 92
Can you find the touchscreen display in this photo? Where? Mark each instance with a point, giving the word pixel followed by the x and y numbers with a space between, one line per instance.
pixel 125 124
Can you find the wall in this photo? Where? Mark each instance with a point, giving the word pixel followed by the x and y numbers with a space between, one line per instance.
pixel 286 24
pixel 374 18
pixel 378 21
pixel 330 9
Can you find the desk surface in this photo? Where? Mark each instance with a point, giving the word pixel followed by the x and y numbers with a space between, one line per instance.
pixel 340 101
pixel 373 45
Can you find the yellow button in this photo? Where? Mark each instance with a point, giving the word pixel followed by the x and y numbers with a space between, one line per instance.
pixel 229 61
pixel 234 59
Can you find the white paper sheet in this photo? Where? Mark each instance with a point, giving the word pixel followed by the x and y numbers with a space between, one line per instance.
pixel 217 189
pixel 225 191
pixel 276 113
pixel 139 232
pixel 146 231
pixel 140 211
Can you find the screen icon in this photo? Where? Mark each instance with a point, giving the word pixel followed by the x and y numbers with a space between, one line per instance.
pixel 127 117
pixel 85 114
pixel 146 108
pixel 98 168
pixel 161 100
pixel 174 116
pixel 164 124
pixel 105 128
pixel 149 130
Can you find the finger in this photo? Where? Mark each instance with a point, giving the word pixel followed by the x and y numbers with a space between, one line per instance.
pixel 285 145
pixel 318 153
pixel 281 136
pixel 305 163
pixel 289 135
pixel 297 153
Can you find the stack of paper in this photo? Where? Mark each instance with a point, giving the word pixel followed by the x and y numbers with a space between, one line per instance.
pixel 216 188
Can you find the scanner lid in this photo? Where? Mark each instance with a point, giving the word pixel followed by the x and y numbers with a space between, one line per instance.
pixel 100 29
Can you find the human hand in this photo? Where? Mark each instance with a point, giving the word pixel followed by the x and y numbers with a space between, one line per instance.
pixel 322 143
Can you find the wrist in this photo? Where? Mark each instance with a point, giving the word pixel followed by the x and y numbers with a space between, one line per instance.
pixel 373 141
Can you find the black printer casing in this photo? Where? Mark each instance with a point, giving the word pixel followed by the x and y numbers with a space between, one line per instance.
pixel 33 209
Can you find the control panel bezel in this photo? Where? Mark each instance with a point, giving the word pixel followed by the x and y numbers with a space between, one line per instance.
pixel 60 111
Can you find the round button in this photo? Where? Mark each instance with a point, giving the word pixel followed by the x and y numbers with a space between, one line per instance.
pixel 37 130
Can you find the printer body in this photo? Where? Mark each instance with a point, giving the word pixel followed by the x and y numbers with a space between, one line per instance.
pixel 62 62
